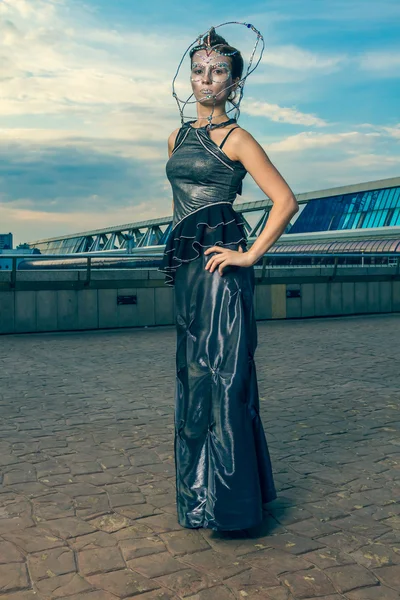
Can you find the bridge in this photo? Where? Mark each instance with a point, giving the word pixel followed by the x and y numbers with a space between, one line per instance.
pixel 345 218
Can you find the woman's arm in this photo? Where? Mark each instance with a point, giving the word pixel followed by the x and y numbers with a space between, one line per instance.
pixel 253 157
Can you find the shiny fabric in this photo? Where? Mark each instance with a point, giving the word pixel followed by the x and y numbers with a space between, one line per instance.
pixel 200 173
pixel 223 467
pixel 213 225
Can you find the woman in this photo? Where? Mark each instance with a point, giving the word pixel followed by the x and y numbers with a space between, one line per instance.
pixel 223 467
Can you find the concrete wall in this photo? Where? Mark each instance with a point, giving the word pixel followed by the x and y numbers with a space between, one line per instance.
pixel 60 301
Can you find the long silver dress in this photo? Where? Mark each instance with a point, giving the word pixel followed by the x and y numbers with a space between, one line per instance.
pixel 223 466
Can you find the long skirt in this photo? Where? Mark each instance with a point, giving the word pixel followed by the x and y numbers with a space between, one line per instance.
pixel 223 466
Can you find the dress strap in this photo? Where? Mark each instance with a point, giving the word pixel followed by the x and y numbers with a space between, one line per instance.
pixel 227 135
pixel 177 138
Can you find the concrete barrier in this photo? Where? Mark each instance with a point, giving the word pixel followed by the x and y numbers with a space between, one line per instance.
pixel 41 301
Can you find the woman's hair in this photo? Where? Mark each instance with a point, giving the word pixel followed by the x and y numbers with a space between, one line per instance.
pixel 217 40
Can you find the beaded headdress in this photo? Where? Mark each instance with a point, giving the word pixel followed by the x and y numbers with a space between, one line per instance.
pixel 200 44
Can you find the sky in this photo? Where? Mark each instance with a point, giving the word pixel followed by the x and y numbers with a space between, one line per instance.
pixel 86 102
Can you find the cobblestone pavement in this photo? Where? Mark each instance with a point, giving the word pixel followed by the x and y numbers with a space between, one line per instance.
pixel 87 496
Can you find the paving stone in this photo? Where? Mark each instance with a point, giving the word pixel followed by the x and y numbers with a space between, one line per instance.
pixel 155 565
pixel 140 511
pixel 252 582
pixel 18 475
pixel 376 555
pixel 361 525
pixel 68 527
pixel 27 595
pixel 346 542
pixel 312 528
pixel 221 592
pixel 233 545
pixel 378 592
pixel 390 576
pixel 57 561
pixel 329 557
pixel 110 523
pixel 184 542
pixel 120 487
pixel 293 543
pixel 123 584
pixel 74 490
pixel 214 563
pixel 96 560
pixel 158 595
pixel 91 506
pixel 288 516
pixel 95 595
pixel 126 499
pixel 86 468
pixel 393 522
pixel 15 524
pixel 135 531
pixel 187 582
pixel 135 548
pixel 97 479
pixel 99 539
pixel 162 523
pixel 276 561
pixel 350 577
pixel 34 539
pixel 13 577
pixel 9 553
pixel 308 584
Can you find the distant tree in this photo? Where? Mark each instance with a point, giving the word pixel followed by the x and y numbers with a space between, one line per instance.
pixel 24 246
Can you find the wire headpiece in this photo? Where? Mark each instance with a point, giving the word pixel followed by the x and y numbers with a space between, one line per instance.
pixel 208 48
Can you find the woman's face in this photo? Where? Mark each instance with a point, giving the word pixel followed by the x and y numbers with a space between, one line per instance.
pixel 211 77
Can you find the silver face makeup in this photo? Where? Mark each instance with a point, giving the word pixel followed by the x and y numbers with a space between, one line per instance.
pixel 218 72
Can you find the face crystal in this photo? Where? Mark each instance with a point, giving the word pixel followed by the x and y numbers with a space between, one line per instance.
pixel 216 72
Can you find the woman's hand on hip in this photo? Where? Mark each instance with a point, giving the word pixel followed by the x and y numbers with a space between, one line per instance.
pixel 225 257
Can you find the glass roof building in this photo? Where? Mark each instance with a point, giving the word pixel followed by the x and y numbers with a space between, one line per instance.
pixel 355 210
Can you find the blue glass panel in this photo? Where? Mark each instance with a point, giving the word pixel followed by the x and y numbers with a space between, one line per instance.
pixel 367 200
pixel 356 220
pixel 380 201
pixel 390 198
pixel 387 198
pixel 380 218
pixel 396 217
pixel 367 220
pixel 396 197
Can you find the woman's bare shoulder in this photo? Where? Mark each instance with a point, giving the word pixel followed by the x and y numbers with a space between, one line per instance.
pixel 243 133
pixel 172 138
pixel 239 141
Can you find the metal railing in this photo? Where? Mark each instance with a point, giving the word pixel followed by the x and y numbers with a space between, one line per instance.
pixel 146 260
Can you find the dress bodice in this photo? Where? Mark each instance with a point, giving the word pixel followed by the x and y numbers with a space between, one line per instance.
pixel 200 173
pixel 205 182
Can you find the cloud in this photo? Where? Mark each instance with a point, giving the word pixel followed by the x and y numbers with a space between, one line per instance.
pixel 30 224
pixel 281 114
pixel 309 140
pixel 385 63
pixel 293 58
pixel 69 179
